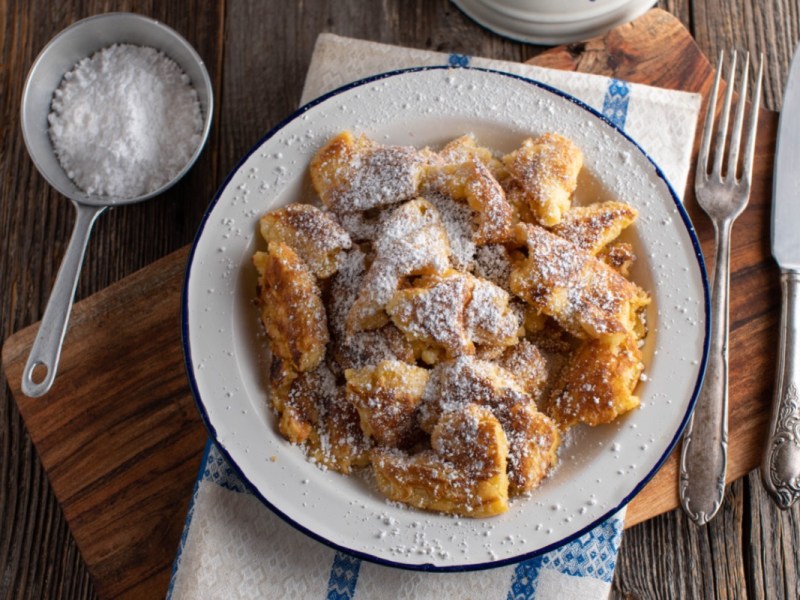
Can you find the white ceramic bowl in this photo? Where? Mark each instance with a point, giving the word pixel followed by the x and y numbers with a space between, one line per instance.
pixel 600 469
pixel 552 21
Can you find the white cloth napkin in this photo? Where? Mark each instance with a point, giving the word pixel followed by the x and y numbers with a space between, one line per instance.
pixel 235 547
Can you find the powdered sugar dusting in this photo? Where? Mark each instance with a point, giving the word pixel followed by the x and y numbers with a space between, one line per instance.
pixel 457 220
pixel 384 175
pixel 493 262
pixel 403 110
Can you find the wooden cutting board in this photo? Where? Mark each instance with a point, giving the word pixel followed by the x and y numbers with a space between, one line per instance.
pixel 121 439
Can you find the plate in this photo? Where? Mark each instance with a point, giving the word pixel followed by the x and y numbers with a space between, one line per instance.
pixel 550 23
pixel 600 469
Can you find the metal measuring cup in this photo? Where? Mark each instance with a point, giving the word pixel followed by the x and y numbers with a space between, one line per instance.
pixel 79 41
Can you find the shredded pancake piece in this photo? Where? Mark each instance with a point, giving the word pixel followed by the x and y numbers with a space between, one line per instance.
pixel 314 234
pixel 585 296
pixel 597 384
pixel 412 242
pixel 291 307
pixel 386 397
pixel 490 319
pixel 533 440
pixel 528 365
pixel 467 380
pixel 431 314
pixel 464 473
pixel 358 349
pixel 337 442
pixel 355 174
pixel 593 227
pixel 547 169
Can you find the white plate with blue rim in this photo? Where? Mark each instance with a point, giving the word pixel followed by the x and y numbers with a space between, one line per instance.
pixel 601 468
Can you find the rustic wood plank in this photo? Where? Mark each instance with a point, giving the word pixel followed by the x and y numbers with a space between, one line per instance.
pixel 38 556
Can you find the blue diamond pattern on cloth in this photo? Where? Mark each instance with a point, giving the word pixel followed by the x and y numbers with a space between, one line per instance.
pixel 615 102
pixel 458 60
pixel 594 554
pixel 343 577
pixel 217 470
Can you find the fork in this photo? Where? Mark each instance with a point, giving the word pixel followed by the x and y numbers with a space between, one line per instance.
pixel 722 192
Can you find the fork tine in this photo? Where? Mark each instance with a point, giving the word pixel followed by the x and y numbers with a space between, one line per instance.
pixel 708 128
pixel 752 125
pixel 736 132
pixel 722 129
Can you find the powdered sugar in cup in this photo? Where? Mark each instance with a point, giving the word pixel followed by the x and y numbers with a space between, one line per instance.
pixel 130 117
pixel 125 121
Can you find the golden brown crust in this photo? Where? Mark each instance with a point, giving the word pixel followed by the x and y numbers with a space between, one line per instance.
pixel 619 256
pixel 593 227
pixel 490 317
pixel 466 149
pixel 472 181
pixel 355 174
pixel 455 384
pixel 533 441
pixel 291 307
pixel 314 234
pixel 463 474
pixel 386 397
pixel 299 398
pixel 486 197
pixel 337 441
pixel 547 170
pixel 597 384
pixel 518 200
pixel 585 296
pixel 528 365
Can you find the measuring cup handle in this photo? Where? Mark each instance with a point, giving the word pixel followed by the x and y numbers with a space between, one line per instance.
pixel 46 348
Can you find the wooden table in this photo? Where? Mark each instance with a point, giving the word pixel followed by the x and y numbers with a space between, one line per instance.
pixel 257 54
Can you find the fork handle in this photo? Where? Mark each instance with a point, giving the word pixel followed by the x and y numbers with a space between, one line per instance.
pixel 780 469
pixel 705 443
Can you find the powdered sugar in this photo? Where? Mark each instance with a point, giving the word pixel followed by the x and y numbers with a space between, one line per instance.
pixel 488 317
pixel 492 262
pixel 125 121
pixel 457 221
pixel 381 176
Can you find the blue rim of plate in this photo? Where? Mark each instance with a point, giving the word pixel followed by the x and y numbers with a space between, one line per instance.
pixel 187 353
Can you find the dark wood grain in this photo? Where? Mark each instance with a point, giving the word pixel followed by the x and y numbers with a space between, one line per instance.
pixel 747 552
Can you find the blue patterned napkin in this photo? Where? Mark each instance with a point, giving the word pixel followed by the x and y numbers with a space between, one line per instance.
pixel 235 547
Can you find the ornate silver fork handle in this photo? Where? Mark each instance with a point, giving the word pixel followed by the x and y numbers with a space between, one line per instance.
pixel 780 469
pixel 704 455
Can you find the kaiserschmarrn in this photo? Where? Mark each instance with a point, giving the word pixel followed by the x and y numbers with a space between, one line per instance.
pixel 442 317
